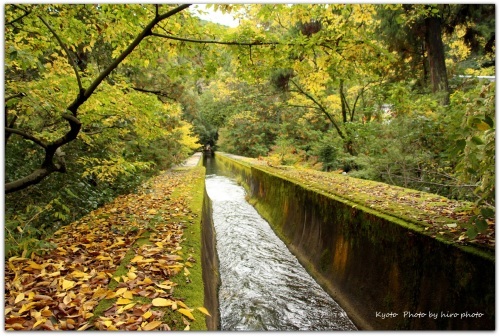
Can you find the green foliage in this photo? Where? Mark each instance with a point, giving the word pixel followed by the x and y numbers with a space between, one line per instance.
pixel 475 148
pixel 328 153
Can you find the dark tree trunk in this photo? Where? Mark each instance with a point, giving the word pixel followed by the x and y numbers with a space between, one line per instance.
pixel 435 54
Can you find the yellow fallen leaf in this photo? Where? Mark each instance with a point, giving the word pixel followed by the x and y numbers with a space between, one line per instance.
pixel 67 299
pixel 147 314
pixel 125 308
pixel 186 272
pixel 101 257
pixel 131 275
pixel 160 302
pixel 187 328
pixel 152 325
pixel 137 258
pixel 46 312
pixel 67 284
pixel 79 274
pixel 34 265
pixel 26 307
pixel 39 321
pixel 204 310
pixel 107 323
pixel 186 312
pixel 145 261
pixel 19 297
pixel 164 286
pixel 128 295
pixel 120 291
pixel 84 327
pixel 122 301
pixel 182 304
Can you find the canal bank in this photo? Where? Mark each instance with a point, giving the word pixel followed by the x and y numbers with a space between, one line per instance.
pixel 385 272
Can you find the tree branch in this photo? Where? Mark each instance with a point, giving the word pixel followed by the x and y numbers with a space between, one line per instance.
pixel 52 150
pixel 171 37
pixel 61 43
pixel 304 106
pixel 156 92
pixel 14 119
pixel 27 136
pixel 320 107
pixel 145 32
pixel 17 95
pixel 17 19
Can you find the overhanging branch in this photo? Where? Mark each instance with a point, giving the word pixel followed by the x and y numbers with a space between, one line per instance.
pixel 52 149
pixel 321 108
pixel 61 43
pixel 183 39
pixel 26 136
pixel 156 92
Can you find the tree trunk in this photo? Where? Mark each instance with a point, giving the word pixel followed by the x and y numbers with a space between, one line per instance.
pixel 435 54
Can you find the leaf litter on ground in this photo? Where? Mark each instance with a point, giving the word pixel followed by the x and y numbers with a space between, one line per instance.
pixel 61 290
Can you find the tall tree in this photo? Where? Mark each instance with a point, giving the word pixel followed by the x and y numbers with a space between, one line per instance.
pixel 436 56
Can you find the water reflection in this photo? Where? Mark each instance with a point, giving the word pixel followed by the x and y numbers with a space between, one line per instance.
pixel 263 286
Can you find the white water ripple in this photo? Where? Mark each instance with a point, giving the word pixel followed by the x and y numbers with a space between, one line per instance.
pixel 263 286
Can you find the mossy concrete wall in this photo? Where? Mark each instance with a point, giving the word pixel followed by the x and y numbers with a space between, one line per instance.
pixel 209 258
pixel 210 264
pixel 386 273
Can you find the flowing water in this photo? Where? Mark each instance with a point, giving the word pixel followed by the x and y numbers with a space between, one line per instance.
pixel 263 286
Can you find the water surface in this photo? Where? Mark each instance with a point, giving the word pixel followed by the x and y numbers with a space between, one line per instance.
pixel 263 286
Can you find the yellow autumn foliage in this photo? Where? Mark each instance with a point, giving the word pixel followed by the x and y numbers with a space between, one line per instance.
pixel 186 138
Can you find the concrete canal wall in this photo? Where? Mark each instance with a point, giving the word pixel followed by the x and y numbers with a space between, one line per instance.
pixel 386 273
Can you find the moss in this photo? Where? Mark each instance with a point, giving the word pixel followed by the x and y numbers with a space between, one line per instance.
pixel 191 288
pixel 324 261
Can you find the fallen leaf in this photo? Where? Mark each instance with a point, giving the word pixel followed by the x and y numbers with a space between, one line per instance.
pixel 160 302
pixel 204 310
pixel 122 301
pixel 67 284
pixel 186 312
pixel 128 294
pixel 152 325
pixel 137 258
pixel 19 298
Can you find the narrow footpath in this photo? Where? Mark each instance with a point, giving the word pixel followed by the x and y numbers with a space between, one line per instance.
pixel 133 264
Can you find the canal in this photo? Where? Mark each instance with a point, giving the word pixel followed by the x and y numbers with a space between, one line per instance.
pixel 263 286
